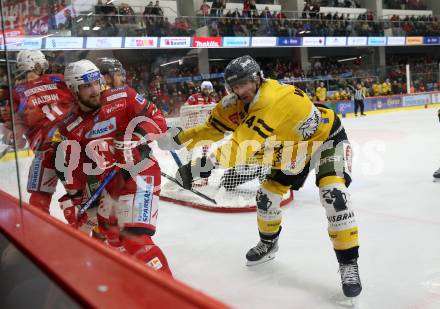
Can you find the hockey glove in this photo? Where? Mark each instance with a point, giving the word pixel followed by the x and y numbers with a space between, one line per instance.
pixel 169 140
pixel 132 153
pixel 438 113
pixel 199 168
pixel 70 206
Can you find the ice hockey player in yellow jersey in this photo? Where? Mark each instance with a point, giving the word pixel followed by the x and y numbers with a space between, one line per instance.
pixel 280 126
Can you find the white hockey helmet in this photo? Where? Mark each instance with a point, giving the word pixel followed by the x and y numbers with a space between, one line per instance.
pixel 81 72
pixel 27 59
pixel 207 85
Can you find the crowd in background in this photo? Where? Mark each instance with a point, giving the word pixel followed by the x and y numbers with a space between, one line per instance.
pixel 111 20
pixel 170 86
pixel 339 78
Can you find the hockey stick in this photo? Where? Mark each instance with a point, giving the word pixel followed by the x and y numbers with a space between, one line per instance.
pixel 192 190
pixel 98 191
pixel 176 158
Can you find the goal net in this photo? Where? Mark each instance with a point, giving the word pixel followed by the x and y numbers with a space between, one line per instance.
pixel 233 189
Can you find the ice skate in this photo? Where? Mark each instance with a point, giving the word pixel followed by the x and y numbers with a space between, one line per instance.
pixel 351 283
pixel 264 251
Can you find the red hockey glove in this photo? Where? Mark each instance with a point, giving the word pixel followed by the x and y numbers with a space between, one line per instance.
pixel 70 206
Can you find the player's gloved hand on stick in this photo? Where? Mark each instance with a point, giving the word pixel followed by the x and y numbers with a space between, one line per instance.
pixel 198 168
pixel 169 140
pixel 70 205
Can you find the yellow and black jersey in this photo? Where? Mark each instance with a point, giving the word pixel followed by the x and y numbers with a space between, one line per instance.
pixel 279 113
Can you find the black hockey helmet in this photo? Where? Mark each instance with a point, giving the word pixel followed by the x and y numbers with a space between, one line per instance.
pixel 241 69
pixel 110 66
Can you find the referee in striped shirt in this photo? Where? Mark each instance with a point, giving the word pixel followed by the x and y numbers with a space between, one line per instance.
pixel 359 97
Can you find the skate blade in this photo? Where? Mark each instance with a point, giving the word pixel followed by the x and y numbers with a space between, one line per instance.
pixel 436 180
pixel 267 258
pixel 347 302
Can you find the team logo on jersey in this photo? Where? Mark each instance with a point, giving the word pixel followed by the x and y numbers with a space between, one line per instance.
pixel 114 107
pixel 139 98
pixel 311 124
pixel 102 128
pixel 55 78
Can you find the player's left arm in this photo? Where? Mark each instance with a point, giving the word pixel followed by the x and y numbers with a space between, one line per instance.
pixel 155 122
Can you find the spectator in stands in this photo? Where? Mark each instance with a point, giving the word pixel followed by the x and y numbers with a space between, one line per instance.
pixel 148 10
pixel 266 13
pixel 67 25
pixel 321 92
pixel 182 26
pixel 236 14
pixel 246 8
pixel 377 88
pixel 217 8
pixel 254 11
pixel 204 8
pixel 386 87
pixel 157 10
pixel 396 87
pixel 127 14
pixel 107 9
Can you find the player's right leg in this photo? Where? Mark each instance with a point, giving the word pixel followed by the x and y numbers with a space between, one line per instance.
pixel 136 211
pixel 269 215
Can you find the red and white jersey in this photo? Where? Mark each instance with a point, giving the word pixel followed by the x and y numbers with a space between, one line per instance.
pixel 200 99
pixel 95 131
pixel 39 105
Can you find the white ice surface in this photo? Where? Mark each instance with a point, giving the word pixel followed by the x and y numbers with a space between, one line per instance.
pixel 398 211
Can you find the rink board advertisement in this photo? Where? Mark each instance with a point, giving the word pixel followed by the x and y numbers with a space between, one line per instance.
pixel 381 103
pixel 104 42
pixel 175 42
pixel 416 100
pixel 64 43
pixel 207 42
pixel 140 42
pixel 19 42
pixel 239 41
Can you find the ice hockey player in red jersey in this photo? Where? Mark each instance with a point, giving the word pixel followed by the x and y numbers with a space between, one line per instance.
pixel 204 97
pixel 39 103
pixel 105 130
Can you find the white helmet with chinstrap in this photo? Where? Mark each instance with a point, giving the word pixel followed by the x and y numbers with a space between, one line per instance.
pixel 80 73
pixel 207 85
